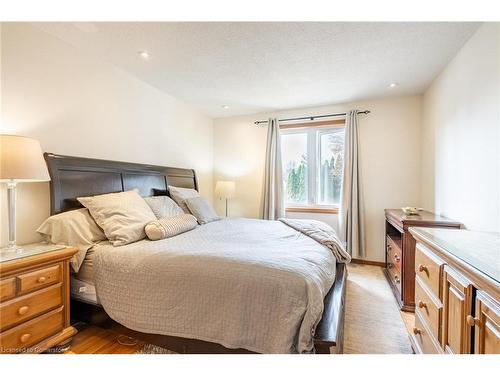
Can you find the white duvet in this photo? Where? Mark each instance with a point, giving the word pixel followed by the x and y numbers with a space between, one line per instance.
pixel 242 283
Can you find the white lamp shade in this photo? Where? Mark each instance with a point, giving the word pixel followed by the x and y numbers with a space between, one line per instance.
pixel 225 189
pixel 21 160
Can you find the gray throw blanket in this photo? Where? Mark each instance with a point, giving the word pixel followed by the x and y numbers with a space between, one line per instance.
pixel 322 233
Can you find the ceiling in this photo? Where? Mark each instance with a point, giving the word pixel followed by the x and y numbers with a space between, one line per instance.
pixel 256 67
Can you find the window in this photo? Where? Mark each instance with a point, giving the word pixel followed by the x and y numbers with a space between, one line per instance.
pixel 312 166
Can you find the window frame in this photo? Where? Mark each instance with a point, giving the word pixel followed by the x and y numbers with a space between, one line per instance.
pixel 313 148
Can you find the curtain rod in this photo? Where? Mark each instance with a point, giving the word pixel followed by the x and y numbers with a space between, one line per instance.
pixel 311 118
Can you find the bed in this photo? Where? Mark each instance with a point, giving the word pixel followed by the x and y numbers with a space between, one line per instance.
pixel 199 319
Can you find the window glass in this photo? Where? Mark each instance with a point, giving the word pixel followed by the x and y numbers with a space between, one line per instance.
pixel 295 172
pixel 330 165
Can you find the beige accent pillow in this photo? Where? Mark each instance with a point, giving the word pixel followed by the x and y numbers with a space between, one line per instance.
pixel 122 216
pixel 170 226
pixel 202 210
pixel 179 195
pixel 163 206
pixel 74 228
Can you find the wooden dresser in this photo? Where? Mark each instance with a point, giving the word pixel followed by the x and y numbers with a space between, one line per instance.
pixel 457 292
pixel 34 299
pixel 400 251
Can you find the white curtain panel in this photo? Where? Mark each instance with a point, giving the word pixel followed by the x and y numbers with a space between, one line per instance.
pixel 273 202
pixel 351 216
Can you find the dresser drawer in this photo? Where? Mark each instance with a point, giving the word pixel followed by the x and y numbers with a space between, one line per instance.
pixel 23 308
pixel 425 341
pixel 32 332
pixel 38 279
pixel 7 288
pixel 395 276
pixel 428 306
pixel 394 254
pixel 429 268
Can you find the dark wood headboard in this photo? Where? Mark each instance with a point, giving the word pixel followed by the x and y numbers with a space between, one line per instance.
pixel 73 177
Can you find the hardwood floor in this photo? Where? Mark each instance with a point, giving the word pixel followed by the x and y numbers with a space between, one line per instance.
pixel 95 340
pixel 373 323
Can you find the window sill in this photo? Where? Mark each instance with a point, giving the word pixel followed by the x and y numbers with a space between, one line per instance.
pixel 316 210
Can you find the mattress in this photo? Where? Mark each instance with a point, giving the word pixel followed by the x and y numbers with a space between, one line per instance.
pixel 83 291
pixel 82 283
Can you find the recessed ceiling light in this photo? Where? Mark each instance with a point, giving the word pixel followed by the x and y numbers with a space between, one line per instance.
pixel 225 106
pixel 393 84
pixel 145 55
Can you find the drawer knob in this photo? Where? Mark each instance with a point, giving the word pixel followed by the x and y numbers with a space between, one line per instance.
pixel 389 265
pixel 42 279
pixel 397 258
pixel 422 304
pixel 416 331
pixel 472 321
pixel 25 337
pixel 396 278
pixel 23 310
pixel 422 268
pixel 389 247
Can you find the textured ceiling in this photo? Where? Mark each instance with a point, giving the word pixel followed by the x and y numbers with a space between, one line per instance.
pixel 259 67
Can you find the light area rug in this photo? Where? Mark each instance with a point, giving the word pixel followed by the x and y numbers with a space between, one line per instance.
pixel 373 323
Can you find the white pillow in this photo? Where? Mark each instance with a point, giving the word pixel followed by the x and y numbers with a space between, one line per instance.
pixel 170 226
pixel 179 195
pixel 122 216
pixel 74 228
pixel 163 206
pixel 202 210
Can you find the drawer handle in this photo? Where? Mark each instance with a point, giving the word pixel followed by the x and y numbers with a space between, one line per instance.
pixel 472 321
pixel 396 278
pixel 42 279
pixel 416 331
pixel 23 310
pixel 25 337
pixel 397 258
pixel 422 268
pixel 422 304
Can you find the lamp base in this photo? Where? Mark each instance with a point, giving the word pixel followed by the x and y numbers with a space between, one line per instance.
pixel 12 248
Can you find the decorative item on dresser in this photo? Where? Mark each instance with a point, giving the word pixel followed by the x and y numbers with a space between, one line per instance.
pixel 400 251
pixel 458 292
pixel 34 299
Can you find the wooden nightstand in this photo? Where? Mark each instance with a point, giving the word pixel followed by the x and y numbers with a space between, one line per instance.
pixel 34 299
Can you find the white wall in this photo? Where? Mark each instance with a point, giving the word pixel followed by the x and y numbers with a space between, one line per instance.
pixel 78 106
pixel 461 135
pixel 390 151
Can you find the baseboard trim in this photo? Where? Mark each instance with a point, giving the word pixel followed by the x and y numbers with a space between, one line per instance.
pixel 368 262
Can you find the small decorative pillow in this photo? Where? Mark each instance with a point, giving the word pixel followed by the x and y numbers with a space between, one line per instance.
pixel 202 210
pixel 163 206
pixel 73 228
pixel 122 216
pixel 179 195
pixel 170 226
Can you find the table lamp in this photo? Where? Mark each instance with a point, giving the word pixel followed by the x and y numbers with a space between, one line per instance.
pixel 225 190
pixel 21 160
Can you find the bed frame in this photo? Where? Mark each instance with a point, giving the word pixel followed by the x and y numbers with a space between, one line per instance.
pixel 73 177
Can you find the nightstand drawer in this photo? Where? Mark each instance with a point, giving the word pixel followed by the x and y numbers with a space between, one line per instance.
pixel 38 279
pixel 23 308
pixel 429 268
pixel 7 288
pixel 32 332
